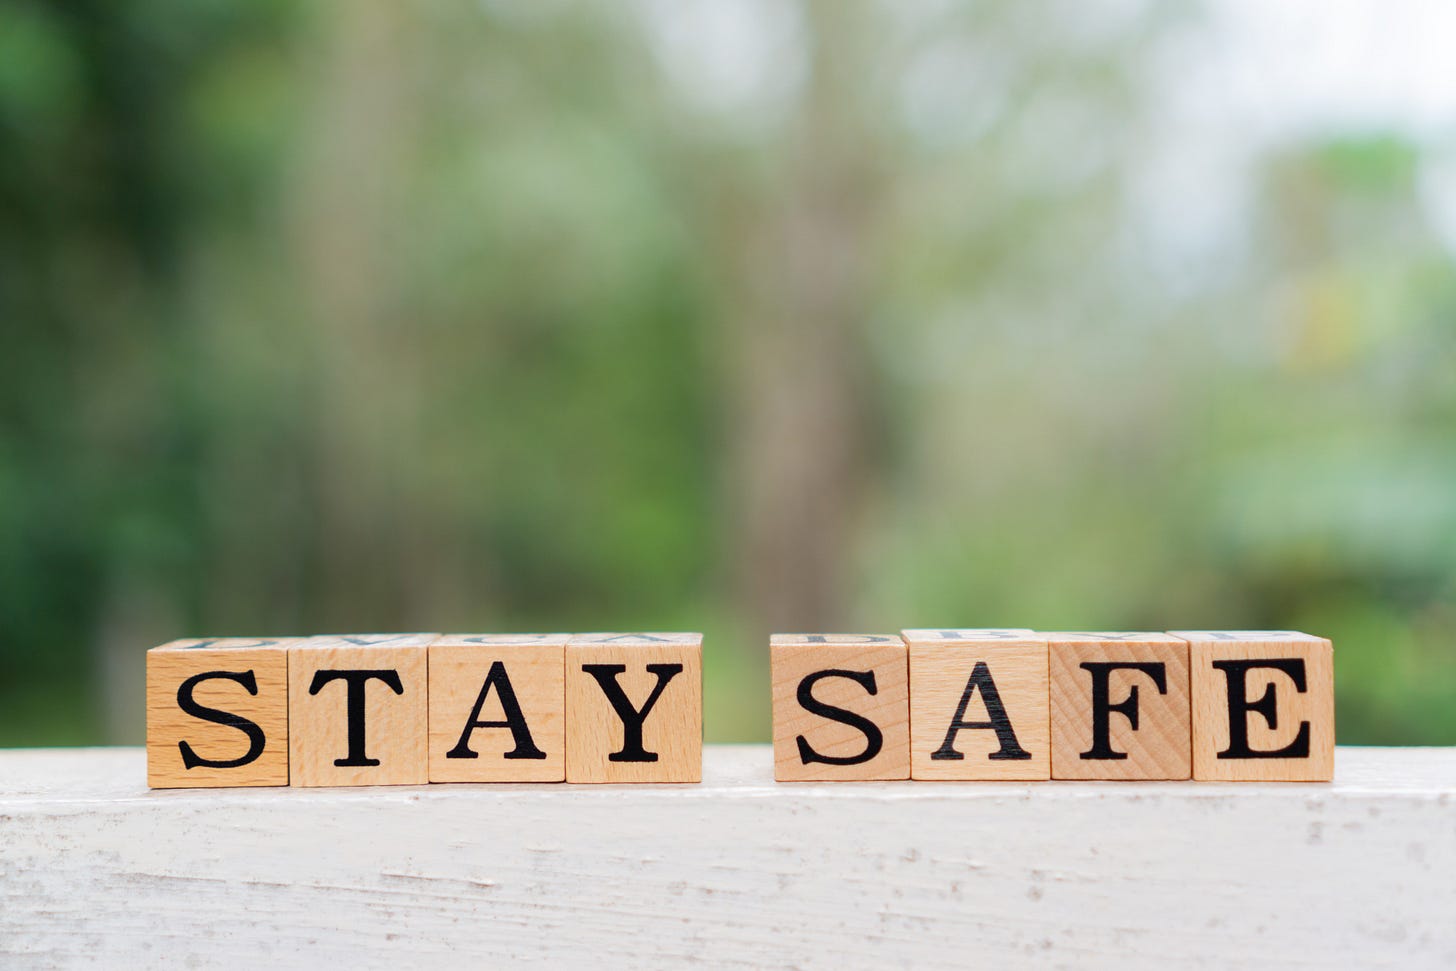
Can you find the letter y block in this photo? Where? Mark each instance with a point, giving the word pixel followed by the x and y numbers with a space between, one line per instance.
pixel 634 708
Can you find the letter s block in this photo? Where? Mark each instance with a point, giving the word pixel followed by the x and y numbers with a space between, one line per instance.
pixel 1263 706
pixel 217 713
pixel 634 708
pixel 841 707
pixel 1119 706
pixel 358 714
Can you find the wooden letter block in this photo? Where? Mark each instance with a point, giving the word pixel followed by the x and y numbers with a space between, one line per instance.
pixel 498 708
pixel 634 708
pixel 217 713
pixel 1263 706
pixel 978 705
pixel 358 712
pixel 841 707
pixel 1119 706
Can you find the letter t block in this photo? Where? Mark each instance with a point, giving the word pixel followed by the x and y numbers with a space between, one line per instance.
pixel 1119 706
pixel 357 710
pixel 1263 706
pixel 217 713
pixel 841 707
pixel 634 708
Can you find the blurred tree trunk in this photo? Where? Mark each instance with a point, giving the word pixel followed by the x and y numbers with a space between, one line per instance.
pixel 368 568
pixel 802 376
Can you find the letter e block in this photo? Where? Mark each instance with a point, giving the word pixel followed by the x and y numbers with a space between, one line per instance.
pixel 1119 706
pixel 358 714
pixel 978 705
pixel 841 707
pixel 634 708
pixel 217 713
pixel 498 708
pixel 1263 706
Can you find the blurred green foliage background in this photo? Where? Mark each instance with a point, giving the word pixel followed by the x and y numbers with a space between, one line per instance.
pixel 732 317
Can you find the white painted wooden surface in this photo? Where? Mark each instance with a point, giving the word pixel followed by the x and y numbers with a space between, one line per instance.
pixel 738 871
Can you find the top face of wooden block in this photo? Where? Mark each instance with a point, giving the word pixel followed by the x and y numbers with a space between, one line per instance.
pixel 978 635
pixel 500 640
pixel 371 640
pixel 1246 636
pixel 1110 637
pixel 226 643
pixel 638 639
pixel 834 640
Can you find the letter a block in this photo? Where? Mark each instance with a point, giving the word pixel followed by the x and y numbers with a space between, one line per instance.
pixel 1119 706
pixel 357 710
pixel 217 713
pixel 498 708
pixel 978 705
pixel 1263 706
pixel 841 707
pixel 634 708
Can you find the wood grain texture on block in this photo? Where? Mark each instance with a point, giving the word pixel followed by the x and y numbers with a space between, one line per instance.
pixel 634 707
pixel 979 705
pixel 358 714
pixel 217 713
pixel 1119 706
pixel 841 707
pixel 1263 706
pixel 498 708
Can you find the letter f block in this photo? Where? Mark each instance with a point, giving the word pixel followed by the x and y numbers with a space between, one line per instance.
pixel 1263 706
pixel 1119 706
pixel 217 713
pixel 634 708
pixel 358 714
pixel 841 707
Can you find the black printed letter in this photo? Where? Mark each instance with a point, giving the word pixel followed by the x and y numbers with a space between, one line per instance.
pixel 355 700
pixel 187 703
pixel 632 719
pixel 1239 706
pixel 1102 708
pixel 1010 749
pixel 874 738
pixel 514 720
